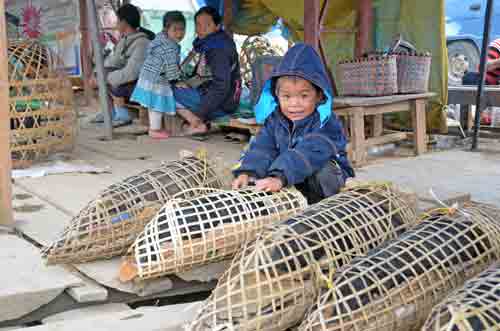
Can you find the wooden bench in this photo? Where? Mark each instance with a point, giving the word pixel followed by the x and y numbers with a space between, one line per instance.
pixel 143 114
pixel 465 96
pixel 235 124
pixel 354 110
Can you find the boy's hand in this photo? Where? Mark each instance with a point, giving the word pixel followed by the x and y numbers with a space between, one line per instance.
pixel 241 181
pixel 269 184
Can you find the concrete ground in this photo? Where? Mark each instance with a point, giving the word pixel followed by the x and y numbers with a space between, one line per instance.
pixel 44 205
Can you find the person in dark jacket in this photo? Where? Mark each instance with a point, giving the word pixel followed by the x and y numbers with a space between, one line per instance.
pixel 302 142
pixel 215 92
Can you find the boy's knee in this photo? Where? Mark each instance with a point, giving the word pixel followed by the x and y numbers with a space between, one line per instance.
pixel 323 184
pixel 330 179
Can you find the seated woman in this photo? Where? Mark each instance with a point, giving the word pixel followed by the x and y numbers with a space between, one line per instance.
pixel 124 64
pixel 214 92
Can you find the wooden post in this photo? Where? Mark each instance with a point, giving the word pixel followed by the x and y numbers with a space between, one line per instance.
pixel 365 27
pixel 419 124
pixel 5 157
pixel 228 16
pixel 311 23
pixel 85 52
pixel 378 125
pixel 358 137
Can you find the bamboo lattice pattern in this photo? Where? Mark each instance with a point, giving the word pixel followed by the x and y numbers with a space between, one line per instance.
pixel 271 281
pixel 474 307
pixel 191 232
pixel 396 285
pixel 42 116
pixel 109 224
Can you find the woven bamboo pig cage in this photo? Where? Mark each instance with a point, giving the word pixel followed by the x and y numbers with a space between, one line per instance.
pixel 192 232
pixel 42 116
pixel 109 224
pixel 474 307
pixel 271 281
pixel 396 285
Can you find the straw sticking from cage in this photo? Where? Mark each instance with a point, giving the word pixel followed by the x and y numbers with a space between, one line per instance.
pixel 396 285
pixel 271 281
pixel 109 224
pixel 475 306
pixel 191 232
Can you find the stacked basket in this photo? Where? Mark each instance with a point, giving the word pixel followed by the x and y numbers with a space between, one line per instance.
pixel 385 74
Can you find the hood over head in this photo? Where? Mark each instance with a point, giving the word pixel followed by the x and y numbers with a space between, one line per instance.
pixel 303 61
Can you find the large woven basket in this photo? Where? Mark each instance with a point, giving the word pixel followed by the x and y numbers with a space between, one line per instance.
pixel 476 306
pixel 270 283
pixel 192 232
pixel 395 286
pixel 414 71
pixel 42 114
pixel 111 222
pixel 369 76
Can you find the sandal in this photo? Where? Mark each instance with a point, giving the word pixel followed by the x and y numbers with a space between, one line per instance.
pixel 159 134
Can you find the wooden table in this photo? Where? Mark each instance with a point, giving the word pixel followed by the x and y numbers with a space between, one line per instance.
pixel 356 108
pixel 465 96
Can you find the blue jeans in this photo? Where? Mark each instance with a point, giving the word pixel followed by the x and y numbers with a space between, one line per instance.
pixel 190 98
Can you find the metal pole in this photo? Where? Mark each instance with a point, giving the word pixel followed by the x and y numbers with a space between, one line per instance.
pixel 99 61
pixel 5 157
pixel 482 72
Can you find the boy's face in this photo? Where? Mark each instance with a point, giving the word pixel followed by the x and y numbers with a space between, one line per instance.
pixel 176 31
pixel 205 25
pixel 297 97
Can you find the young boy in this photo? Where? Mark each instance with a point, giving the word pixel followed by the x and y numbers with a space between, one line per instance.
pixel 302 142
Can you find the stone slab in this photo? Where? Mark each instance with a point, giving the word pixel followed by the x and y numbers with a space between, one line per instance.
pixel 105 272
pixel 36 218
pixel 87 313
pixel 91 291
pixel 166 318
pixel 26 283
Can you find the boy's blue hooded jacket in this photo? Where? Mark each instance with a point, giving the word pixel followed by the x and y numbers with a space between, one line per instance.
pixel 296 151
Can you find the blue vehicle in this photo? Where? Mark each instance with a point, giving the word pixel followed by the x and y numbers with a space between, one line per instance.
pixel 464 32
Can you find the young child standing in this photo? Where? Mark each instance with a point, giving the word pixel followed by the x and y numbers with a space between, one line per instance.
pixel 302 143
pixel 160 72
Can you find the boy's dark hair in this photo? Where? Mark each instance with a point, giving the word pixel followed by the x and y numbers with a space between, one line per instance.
pixel 130 14
pixel 172 17
pixel 212 12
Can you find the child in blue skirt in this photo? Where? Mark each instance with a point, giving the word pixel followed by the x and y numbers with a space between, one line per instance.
pixel 160 72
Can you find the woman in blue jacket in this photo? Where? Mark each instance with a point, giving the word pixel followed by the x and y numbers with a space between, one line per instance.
pixel 302 142
pixel 215 91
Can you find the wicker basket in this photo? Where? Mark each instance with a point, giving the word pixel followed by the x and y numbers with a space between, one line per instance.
pixel 109 224
pixel 369 76
pixel 42 115
pixel 270 283
pixel 476 306
pixel 414 71
pixel 212 227
pixel 396 285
